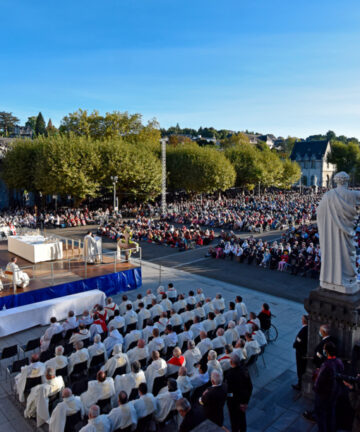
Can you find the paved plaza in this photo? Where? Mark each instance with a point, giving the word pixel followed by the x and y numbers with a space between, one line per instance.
pixel 274 406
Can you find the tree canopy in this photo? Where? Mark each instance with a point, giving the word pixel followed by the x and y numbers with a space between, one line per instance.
pixel 7 122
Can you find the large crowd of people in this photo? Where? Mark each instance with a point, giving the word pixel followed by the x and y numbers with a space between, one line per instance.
pixel 163 357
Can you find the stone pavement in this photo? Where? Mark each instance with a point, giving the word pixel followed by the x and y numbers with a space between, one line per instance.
pixel 274 405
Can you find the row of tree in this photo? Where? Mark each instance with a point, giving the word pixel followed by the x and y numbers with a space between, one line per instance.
pixel 37 124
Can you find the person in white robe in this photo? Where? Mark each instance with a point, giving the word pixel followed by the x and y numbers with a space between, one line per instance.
pixel 110 307
pixel 199 312
pixel 131 316
pixel 213 363
pixel 170 338
pixel 231 335
pixel 171 292
pixel 208 306
pixel 166 399
pixel 192 356
pixel 59 361
pixel 219 341
pixel 37 403
pixel 143 315
pixel 259 336
pixel 197 327
pixel 205 343
pixel 33 370
pixel 156 368
pixel 157 343
pixel 146 404
pixel 13 272
pixel 123 304
pixel 130 381
pixel 186 335
pixel 131 337
pixel 136 303
pixel 91 252
pixel 81 334
pixel 99 389
pixel 54 328
pixel 70 405
pixel 231 314
pixel 114 338
pixel 117 321
pixel 139 352
pixel 240 350
pixel 253 319
pixel 86 318
pixel 162 322
pixel 241 328
pixel 71 322
pixel 200 295
pixel 180 304
pixel 147 332
pixel 224 359
pixel 97 422
pixel 191 300
pixel 252 347
pixel 119 359
pixel 124 415
pixel 209 324
pixel 97 348
pixel 156 309
pixel 200 377
pixel 149 297
pixel 175 318
pixel 188 315
pixel 177 360
pixel 183 381
pixel 79 356
pixel 165 303
pixel 219 319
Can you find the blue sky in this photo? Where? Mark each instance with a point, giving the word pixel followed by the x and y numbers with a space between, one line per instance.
pixel 282 67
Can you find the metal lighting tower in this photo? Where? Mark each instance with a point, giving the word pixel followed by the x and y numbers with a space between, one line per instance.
pixel 114 179
pixel 163 175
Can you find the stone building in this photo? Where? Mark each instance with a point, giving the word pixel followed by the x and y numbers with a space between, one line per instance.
pixel 312 158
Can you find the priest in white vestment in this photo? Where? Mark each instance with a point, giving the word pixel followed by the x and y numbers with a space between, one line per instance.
pixel 114 338
pixel 86 318
pixel 183 381
pixel 97 422
pixel 79 356
pixel 175 318
pixel 124 415
pixel 54 328
pixel 59 361
pixel 71 322
pixel 219 341
pixel 33 370
pixel 139 352
pixel 156 368
pixel 110 307
pixel 166 399
pixel 70 405
pixel 99 389
pixel 131 316
pixel 197 327
pixel 213 363
pixel 90 248
pixel 143 314
pixel 205 343
pixel 231 335
pixel 37 403
pixel 81 334
pixel 252 347
pixel 146 404
pixel 117 321
pixel 97 348
pixel 133 336
pixel 130 381
pixel 200 377
pixel 192 356
pixel 157 343
pixel 118 359
pixel 18 276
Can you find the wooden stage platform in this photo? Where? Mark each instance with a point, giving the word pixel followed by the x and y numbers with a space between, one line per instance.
pixel 59 272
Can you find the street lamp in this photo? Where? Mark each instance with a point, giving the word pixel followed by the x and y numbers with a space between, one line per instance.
pixel 114 180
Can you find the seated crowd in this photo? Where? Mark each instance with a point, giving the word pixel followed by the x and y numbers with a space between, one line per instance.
pixel 126 366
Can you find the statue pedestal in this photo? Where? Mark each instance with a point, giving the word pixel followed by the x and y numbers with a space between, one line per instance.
pixel 342 313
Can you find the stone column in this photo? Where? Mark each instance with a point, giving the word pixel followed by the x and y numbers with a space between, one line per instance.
pixel 341 313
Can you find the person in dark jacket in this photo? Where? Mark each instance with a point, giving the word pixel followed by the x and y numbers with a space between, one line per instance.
pixel 354 398
pixel 319 356
pixel 326 389
pixel 191 417
pixel 239 392
pixel 213 399
pixel 300 346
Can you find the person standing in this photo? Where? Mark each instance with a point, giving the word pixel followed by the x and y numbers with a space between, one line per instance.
pixel 239 392
pixel 300 346
pixel 326 389
pixel 90 248
pixel 213 399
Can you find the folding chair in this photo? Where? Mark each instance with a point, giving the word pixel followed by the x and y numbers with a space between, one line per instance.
pixel 72 421
pixel 105 405
pixel 9 352
pixel 159 383
pixel 131 327
pixel 16 366
pixel 80 369
pixel 31 345
pixel 120 371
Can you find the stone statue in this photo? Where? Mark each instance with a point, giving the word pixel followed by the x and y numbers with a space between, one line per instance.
pixel 336 216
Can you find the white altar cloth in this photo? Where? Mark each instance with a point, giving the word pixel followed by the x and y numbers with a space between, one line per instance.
pixel 35 249
pixel 24 317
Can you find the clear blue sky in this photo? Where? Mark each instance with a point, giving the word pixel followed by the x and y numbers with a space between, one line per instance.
pixel 286 67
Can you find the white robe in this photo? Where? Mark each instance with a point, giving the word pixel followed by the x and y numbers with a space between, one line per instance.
pixel 138 354
pixel 31 371
pixel 252 348
pixel 219 342
pixel 49 333
pixel 214 365
pixel 37 403
pixel 97 391
pixel 165 402
pixel 192 356
pixel 57 362
pixel 110 309
pixel 81 335
pixel 205 345
pixel 156 344
pixel 117 322
pixel 114 338
pixel 90 248
pixel 18 276
pixel 156 369
pixel 198 379
pixel 131 317
pixel 184 384
pixel 241 310
pixel 231 335
pixel 78 357
pixel 133 336
pixel 129 381
pixel 118 360
pixel 143 314
pixel 123 416
pixel 70 323
pixel 100 423
pixel 68 406
pixel 145 405
pixel 96 349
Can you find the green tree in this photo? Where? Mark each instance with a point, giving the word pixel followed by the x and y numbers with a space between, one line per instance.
pixel 247 163
pixel 199 169
pixel 7 122
pixel 40 127
pixel 291 173
pixel 50 129
pixel 234 140
pixel 344 156
pixel 31 122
